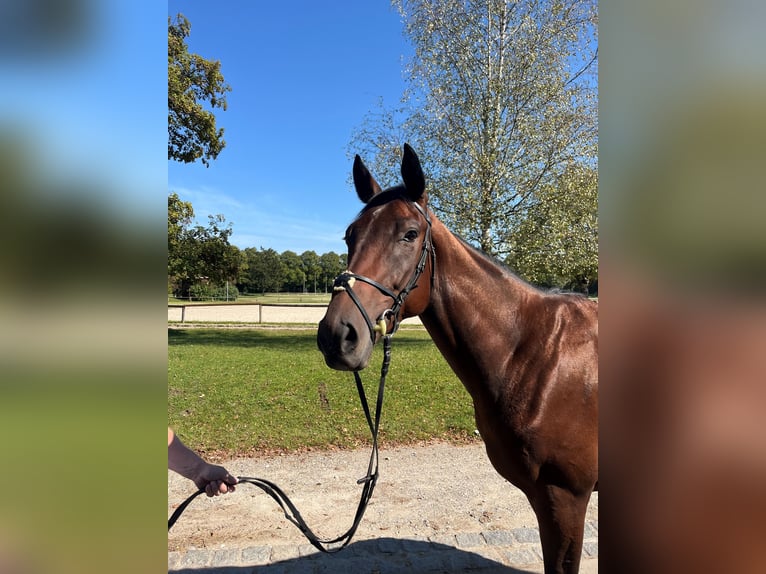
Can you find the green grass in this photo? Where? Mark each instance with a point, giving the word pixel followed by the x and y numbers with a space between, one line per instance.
pixel 235 392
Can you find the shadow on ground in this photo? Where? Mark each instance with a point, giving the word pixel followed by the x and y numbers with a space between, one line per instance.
pixel 380 556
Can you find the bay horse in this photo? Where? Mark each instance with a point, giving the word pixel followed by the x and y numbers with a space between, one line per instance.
pixel 528 359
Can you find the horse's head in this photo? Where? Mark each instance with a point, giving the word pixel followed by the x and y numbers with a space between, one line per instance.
pixel 388 251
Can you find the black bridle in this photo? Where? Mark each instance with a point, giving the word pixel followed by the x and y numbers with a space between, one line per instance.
pixel 346 280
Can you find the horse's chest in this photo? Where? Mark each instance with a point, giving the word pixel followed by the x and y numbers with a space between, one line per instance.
pixel 507 448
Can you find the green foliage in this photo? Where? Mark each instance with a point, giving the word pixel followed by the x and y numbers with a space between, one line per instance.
pixel 294 275
pixel 180 216
pixel 238 392
pixel 192 81
pixel 332 265
pixel 269 271
pixel 201 258
pixel 556 243
pixel 197 253
pixel 208 292
pixel 312 268
pixel 265 270
pixel 501 101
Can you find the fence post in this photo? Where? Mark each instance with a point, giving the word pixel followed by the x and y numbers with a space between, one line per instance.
pixel 260 313
pixel 183 313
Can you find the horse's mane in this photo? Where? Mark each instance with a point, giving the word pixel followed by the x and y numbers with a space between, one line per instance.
pixel 400 192
pixel 494 261
pixel 512 274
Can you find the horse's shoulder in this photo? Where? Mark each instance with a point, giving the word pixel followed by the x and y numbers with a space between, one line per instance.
pixel 572 312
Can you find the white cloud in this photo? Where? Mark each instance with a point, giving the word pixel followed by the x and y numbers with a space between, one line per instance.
pixel 266 222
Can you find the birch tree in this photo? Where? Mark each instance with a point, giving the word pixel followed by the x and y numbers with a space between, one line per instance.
pixel 556 243
pixel 500 100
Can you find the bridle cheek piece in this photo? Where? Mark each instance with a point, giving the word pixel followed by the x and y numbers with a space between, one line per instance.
pixel 346 280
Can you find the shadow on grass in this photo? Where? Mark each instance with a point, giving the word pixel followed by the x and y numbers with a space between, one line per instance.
pixel 274 339
pixel 388 555
pixel 241 338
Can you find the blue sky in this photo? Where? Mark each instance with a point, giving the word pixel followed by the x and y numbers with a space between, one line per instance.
pixel 92 111
pixel 303 76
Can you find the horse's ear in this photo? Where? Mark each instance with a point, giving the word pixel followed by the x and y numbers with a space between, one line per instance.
pixel 412 174
pixel 365 184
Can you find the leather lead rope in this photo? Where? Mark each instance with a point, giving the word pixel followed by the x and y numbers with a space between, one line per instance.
pixel 291 512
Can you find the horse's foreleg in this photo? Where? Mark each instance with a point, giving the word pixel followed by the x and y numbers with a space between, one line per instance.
pixel 561 517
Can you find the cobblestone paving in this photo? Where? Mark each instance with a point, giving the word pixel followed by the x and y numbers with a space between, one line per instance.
pixel 493 551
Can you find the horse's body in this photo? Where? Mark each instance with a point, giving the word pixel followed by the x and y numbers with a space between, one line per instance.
pixel 527 358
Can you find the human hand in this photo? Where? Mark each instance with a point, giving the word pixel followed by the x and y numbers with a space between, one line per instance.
pixel 214 480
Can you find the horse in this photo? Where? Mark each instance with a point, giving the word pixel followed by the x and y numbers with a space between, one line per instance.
pixel 528 358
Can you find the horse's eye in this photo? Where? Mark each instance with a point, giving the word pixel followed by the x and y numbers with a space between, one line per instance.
pixel 411 235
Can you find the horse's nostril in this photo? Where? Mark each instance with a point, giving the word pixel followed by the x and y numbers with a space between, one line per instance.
pixel 350 337
pixel 341 339
pixel 342 346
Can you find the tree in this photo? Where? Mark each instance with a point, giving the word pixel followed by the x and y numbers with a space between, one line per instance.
pixel 242 280
pixel 265 268
pixel 556 243
pixel 197 253
pixel 332 265
pixel 311 267
pixel 294 277
pixel 500 101
pixel 216 259
pixel 192 80
pixel 180 216
pixel 379 139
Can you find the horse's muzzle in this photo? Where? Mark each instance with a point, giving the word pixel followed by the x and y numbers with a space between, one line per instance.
pixel 345 347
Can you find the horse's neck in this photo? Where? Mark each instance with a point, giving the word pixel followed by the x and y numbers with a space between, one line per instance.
pixel 475 306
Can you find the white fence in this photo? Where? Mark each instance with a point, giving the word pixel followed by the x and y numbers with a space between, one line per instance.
pixel 252 313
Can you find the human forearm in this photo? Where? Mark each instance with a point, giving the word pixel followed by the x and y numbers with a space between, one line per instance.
pixel 211 478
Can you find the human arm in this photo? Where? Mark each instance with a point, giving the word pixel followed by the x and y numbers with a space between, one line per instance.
pixel 211 478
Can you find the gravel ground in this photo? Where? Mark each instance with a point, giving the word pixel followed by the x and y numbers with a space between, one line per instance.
pixel 429 492
pixel 440 493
